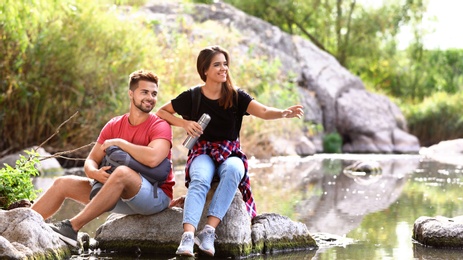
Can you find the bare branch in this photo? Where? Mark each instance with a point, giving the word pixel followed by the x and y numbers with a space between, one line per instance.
pixel 301 27
pixel 57 130
pixel 59 154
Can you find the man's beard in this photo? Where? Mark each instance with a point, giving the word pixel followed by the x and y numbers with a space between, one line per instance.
pixel 143 109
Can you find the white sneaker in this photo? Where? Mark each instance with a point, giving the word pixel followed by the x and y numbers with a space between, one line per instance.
pixel 186 245
pixel 205 241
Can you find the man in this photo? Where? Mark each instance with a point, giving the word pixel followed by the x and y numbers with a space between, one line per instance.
pixel 146 138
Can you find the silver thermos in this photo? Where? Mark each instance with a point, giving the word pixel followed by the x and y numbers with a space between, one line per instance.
pixel 190 140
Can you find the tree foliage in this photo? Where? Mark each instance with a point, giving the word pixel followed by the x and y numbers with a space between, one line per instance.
pixel 365 39
pixel 59 57
pixel 344 28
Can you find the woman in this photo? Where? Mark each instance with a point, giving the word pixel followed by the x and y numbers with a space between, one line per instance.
pixel 217 152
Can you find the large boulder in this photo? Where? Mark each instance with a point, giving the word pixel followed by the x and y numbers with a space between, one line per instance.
pixel 372 124
pixel 331 95
pixel 236 235
pixel 24 235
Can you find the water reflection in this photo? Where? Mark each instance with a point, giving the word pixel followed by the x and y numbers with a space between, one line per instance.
pixel 327 199
pixel 378 210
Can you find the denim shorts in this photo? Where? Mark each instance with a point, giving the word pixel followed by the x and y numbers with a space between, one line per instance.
pixel 145 202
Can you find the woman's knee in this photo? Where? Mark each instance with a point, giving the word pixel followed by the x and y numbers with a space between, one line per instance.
pixel 202 170
pixel 233 167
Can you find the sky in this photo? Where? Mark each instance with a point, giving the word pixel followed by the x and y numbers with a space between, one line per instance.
pixel 448 29
pixel 444 22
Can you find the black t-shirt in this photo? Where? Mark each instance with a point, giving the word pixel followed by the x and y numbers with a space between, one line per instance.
pixel 225 124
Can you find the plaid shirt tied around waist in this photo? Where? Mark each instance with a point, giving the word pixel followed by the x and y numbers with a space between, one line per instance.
pixel 219 152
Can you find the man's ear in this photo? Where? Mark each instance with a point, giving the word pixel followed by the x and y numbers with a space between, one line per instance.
pixel 130 94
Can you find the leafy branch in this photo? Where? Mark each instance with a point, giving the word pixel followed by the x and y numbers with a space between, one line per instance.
pixel 16 183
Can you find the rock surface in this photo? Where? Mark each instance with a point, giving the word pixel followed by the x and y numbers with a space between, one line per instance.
pixel 440 232
pixel 236 236
pixel 332 96
pixel 450 152
pixel 24 235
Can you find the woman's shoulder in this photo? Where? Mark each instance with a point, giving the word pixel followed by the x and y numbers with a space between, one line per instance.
pixel 242 93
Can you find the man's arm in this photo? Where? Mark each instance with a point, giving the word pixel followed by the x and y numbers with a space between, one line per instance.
pixel 91 166
pixel 151 155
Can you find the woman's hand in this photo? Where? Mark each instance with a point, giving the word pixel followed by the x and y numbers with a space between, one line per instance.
pixel 192 128
pixel 293 111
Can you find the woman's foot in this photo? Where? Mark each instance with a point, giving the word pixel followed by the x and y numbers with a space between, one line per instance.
pixel 186 245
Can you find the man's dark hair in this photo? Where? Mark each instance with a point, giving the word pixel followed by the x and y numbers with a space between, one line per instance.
pixel 138 75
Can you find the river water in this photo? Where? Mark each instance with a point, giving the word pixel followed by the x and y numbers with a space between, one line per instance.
pixel 374 213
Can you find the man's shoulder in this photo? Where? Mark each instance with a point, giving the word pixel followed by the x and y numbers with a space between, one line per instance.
pixel 155 120
pixel 118 118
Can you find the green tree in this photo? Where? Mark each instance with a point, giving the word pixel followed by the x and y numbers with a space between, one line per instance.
pixel 343 28
pixel 364 39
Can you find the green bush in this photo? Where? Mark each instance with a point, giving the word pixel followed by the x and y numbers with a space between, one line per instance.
pixel 437 118
pixel 332 143
pixel 16 183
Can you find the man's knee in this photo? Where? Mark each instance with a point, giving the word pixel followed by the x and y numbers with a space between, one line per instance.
pixel 124 174
pixel 62 181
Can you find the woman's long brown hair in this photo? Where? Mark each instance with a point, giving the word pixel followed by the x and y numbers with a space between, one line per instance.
pixel 203 62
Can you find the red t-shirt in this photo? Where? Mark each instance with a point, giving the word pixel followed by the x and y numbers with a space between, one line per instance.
pixel 142 134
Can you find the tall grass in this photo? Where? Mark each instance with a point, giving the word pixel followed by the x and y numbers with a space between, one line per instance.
pixel 60 57
pixel 437 118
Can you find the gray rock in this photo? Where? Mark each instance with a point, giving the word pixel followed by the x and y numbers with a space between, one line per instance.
pixel 158 233
pixel 24 234
pixel 450 152
pixel 440 232
pixel 363 168
pixel 236 237
pixel 372 124
pixel 331 95
pixel 273 233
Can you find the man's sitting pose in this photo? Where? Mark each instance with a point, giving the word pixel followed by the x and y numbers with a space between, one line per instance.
pixel 143 136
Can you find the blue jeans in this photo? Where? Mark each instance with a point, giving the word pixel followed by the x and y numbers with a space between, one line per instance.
pixel 202 171
pixel 144 203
